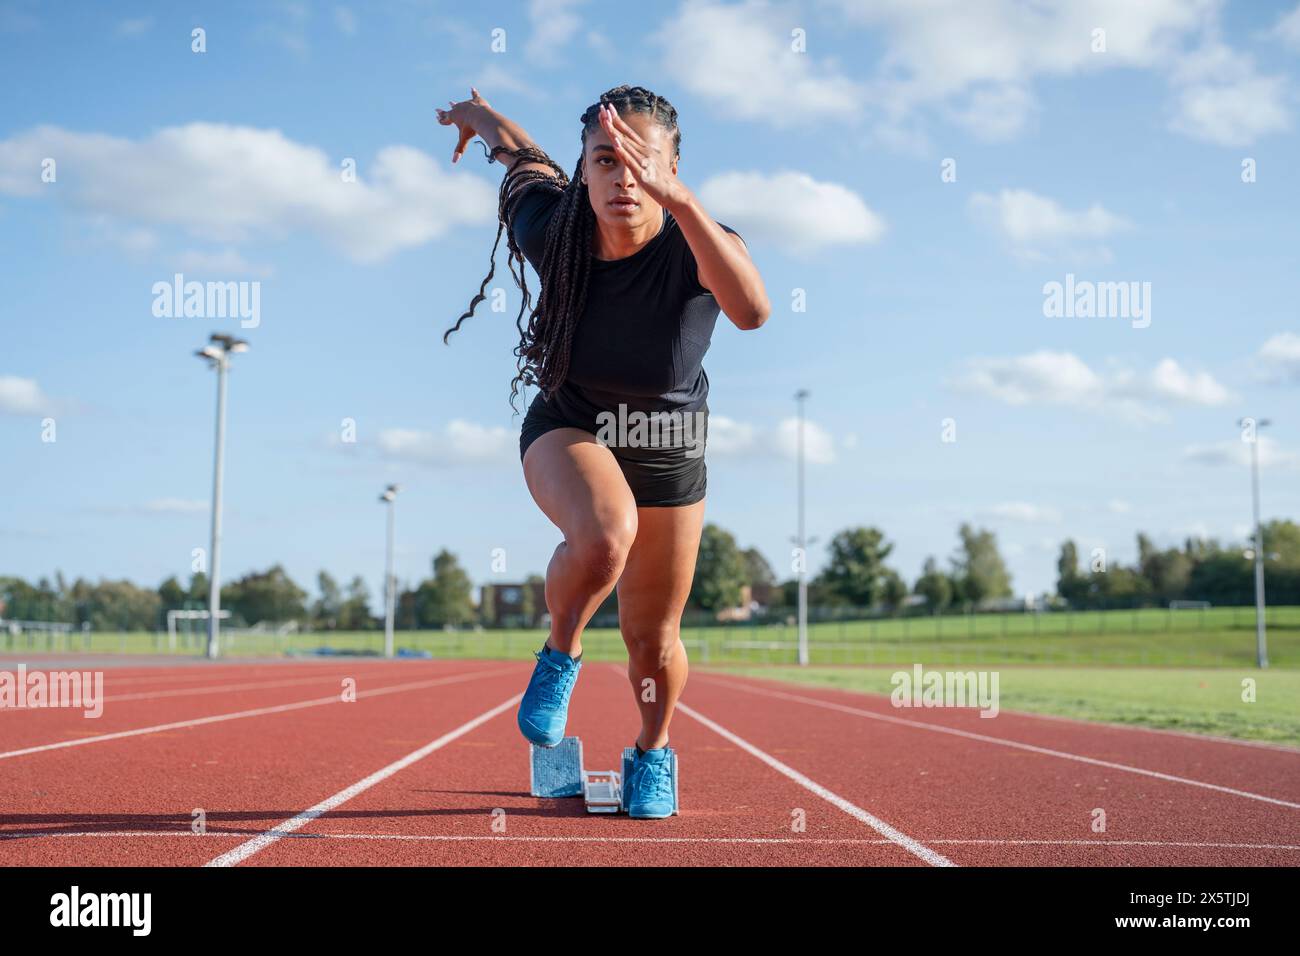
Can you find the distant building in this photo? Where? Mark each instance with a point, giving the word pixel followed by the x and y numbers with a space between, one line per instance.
pixel 753 600
pixel 508 604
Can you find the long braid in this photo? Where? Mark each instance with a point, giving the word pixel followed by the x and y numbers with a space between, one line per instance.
pixel 546 345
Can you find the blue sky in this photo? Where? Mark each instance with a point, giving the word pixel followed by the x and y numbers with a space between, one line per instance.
pixel 820 130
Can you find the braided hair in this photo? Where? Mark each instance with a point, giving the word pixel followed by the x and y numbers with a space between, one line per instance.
pixel 546 343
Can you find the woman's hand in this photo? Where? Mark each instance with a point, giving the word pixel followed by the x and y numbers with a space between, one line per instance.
pixel 461 115
pixel 660 183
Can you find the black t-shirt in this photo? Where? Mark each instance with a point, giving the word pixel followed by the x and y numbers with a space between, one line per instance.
pixel 645 327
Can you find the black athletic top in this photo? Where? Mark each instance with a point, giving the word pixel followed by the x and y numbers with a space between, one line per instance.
pixel 645 327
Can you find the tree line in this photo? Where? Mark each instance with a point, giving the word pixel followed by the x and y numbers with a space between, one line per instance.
pixel 856 574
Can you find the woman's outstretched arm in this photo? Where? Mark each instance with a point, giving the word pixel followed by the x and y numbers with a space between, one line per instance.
pixel 475 117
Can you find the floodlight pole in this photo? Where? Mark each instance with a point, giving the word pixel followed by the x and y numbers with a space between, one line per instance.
pixel 1261 642
pixel 217 353
pixel 222 365
pixel 389 497
pixel 802 545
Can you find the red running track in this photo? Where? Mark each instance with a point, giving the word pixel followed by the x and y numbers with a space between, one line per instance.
pixel 427 767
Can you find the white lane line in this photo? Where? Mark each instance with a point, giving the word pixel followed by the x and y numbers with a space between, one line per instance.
pixel 1109 725
pixel 214 689
pixel 1257 744
pixel 256 712
pixel 880 826
pixel 1002 741
pixel 504 838
pixel 177 675
pixel 191 673
pixel 257 844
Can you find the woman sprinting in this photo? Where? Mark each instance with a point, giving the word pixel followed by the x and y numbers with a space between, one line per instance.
pixel 633 275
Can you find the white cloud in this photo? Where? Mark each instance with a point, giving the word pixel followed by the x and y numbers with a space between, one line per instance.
pixel 230 184
pixel 1039 378
pixel 976 61
pixel 1118 506
pixel 1221 99
pixel 729 438
pixel 493 78
pixel 1288 29
pixel 1062 378
pixel 22 396
pixel 1279 357
pixel 460 442
pixel 1171 380
pixel 1032 224
pixel 1023 511
pixel 995 113
pixel 818 444
pixel 739 57
pixel 137 242
pixel 554 24
pixel 797 213
pixel 945 50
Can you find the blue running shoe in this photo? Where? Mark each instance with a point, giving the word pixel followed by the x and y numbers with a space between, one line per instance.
pixel 544 710
pixel 650 785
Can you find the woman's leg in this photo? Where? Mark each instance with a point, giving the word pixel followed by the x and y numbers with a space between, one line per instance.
pixel 578 484
pixel 652 593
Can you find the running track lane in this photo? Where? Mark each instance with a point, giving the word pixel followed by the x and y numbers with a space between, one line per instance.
pixel 979 802
pixel 940 787
pixel 439 811
pixel 854 743
pixel 247 773
pixel 135 701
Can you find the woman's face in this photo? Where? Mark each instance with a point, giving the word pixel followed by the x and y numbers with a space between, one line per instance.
pixel 608 179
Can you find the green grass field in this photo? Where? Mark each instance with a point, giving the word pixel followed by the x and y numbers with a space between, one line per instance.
pixel 1179 670
pixel 1188 699
pixel 1217 637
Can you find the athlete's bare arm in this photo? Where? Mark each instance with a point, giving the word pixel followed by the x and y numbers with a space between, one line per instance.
pixel 476 117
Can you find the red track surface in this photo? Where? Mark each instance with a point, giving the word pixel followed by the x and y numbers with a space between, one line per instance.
pixel 876 785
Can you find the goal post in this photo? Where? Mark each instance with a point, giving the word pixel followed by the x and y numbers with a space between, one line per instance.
pixel 187 615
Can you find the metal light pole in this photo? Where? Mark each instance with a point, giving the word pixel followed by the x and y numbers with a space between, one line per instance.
pixel 1261 645
pixel 390 498
pixel 217 354
pixel 802 544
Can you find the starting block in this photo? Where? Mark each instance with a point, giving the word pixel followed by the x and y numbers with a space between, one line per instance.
pixel 558 772
pixel 602 791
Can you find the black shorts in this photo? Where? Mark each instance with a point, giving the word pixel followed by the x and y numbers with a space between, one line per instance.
pixel 663 464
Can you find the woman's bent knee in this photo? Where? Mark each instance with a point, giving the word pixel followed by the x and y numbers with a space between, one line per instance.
pixel 603 551
pixel 652 649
